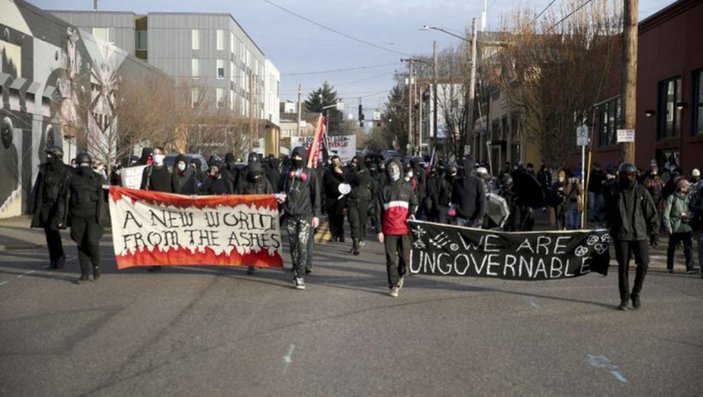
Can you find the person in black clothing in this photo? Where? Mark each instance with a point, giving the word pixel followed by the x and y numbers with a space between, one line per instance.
pixel 595 194
pixel 335 203
pixel 183 179
pixel 444 192
pixel 633 224
pixel 273 172
pixel 301 204
pixel 255 183
pixel 199 175
pixel 146 157
pixel 51 183
pixel 157 177
pixel 357 204
pixel 468 197
pixel 82 207
pixel 215 183
pixel 230 171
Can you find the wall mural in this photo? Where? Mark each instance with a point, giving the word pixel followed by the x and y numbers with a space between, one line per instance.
pixel 58 84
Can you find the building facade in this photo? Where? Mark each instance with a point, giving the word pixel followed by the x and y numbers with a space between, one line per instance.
pixel 208 54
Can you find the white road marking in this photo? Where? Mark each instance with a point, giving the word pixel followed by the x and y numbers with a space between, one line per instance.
pixel 24 274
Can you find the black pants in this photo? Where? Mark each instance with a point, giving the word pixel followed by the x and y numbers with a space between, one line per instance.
pixel 623 250
pixel 298 236
pixel 53 237
pixel 674 238
pixel 397 257
pixel 335 217
pixel 86 232
pixel 357 214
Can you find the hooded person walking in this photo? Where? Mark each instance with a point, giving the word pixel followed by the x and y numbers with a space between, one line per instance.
pixel 301 203
pixel 468 198
pixel 396 202
pixel 255 183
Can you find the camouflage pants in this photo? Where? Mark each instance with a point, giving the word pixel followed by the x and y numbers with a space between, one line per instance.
pixel 298 236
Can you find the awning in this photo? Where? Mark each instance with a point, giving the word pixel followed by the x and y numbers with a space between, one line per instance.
pixel 4 77
pixel 49 91
pixel 17 83
pixel 33 88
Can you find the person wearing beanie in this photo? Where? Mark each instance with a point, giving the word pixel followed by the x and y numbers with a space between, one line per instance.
pixel 183 178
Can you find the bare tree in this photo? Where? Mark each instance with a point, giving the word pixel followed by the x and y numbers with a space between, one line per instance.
pixel 555 70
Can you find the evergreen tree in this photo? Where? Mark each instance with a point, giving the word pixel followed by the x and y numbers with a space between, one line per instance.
pixel 322 97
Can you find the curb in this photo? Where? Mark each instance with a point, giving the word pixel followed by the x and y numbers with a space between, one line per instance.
pixel 24 246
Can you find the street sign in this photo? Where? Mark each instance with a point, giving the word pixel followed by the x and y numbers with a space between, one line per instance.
pixel 467 150
pixel 626 136
pixel 582 136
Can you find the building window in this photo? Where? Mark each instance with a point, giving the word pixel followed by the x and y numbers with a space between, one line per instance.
pixel 697 102
pixel 669 116
pixel 220 97
pixel 194 96
pixel 195 66
pixel 220 68
pixel 231 43
pixel 104 34
pixel 195 39
pixel 610 120
pixel 220 35
pixel 141 44
pixel 231 71
pixel 231 99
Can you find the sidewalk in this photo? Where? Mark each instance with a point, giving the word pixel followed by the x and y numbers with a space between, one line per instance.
pixel 15 234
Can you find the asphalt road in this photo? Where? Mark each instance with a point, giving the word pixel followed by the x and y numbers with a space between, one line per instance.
pixel 220 332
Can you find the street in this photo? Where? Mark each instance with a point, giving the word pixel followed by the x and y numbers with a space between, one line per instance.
pixel 217 331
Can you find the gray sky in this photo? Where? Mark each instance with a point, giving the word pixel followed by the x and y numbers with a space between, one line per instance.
pixel 296 46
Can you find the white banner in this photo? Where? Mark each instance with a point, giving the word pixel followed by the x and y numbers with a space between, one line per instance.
pixel 132 176
pixel 343 146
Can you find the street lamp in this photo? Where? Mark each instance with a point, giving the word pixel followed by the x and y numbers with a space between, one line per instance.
pixel 472 73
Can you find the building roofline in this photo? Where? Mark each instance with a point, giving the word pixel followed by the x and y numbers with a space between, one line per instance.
pixel 666 13
pixel 93 12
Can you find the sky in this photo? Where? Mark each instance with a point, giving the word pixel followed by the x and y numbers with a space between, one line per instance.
pixel 371 35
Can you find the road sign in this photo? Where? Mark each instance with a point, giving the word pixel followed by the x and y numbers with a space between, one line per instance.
pixel 582 136
pixel 626 136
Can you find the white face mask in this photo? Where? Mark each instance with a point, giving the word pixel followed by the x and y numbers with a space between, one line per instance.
pixel 409 174
pixel 181 166
pixel 395 175
pixel 159 158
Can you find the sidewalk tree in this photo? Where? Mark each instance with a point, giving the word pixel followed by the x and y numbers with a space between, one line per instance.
pixel 554 70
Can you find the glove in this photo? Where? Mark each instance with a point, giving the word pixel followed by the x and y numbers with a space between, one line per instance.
pixel 654 240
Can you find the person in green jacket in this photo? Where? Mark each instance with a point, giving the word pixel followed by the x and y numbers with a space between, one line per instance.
pixel 677 218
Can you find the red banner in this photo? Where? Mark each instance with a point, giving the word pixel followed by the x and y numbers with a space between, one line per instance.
pixel 152 228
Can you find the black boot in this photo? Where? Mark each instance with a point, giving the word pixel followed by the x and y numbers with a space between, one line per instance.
pixel 355 246
pixel 624 305
pixel 636 302
pixel 96 273
pixel 83 279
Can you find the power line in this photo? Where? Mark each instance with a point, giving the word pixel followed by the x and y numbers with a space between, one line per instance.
pixel 339 70
pixel 333 30
pixel 544 10
pixel 570 14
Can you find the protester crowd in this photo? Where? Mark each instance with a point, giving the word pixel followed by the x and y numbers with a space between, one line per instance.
pixel 381 193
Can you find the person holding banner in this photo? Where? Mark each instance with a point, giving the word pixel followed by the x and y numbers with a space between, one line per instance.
pixel 82 207
pixel 156 177
pixel 632 219
pixel 183 179
pixel 254 182
pixel 301 204
pixel 396 202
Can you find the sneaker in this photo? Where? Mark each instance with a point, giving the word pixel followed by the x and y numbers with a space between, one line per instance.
pixel 362 243
pixel 299 283
pixel 251 270
pixel 670 271
pixel 636 302
pixel 394 292
pixel 82 280
pixel 400 283
pixel 691 271
pixel 624 305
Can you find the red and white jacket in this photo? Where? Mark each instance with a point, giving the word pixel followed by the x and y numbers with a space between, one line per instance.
pixel 395 204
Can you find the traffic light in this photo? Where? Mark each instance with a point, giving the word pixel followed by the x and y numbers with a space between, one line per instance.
pixel 361 116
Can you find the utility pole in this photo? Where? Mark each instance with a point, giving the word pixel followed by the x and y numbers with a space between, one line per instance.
pixel 472 92
pixel 251 112
pixel 300 110
pixel 629 76
pixel 410 101
pixel 433 138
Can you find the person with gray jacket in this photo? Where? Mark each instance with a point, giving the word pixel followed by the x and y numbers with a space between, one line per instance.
pixel 677 222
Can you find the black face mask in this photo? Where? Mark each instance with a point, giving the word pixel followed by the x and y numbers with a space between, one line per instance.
pixel 254 176
pixel 627 183
pixel 297 163
pixel 694 179
pixel 85 170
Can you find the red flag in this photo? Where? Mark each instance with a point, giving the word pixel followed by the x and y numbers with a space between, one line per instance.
pixel 314 150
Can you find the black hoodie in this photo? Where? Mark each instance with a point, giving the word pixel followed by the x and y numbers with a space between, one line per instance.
pixel 359 178
pixel 302 188
pixel 468 195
